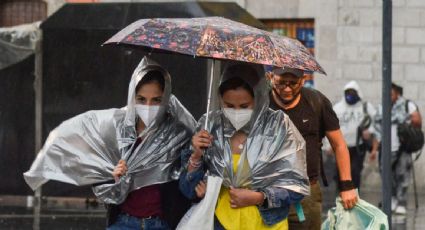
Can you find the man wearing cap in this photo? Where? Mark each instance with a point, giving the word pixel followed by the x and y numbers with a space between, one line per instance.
pixel 312 114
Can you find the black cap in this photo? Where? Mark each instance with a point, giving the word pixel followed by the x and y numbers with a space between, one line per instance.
pixel 397 88
pixel 285 70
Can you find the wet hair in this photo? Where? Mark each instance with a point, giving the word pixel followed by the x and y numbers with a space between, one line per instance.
pixel 241 75
pixel 152 76
pixel 233 84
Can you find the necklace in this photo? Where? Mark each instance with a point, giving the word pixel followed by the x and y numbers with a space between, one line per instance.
pixel 239 140
pixel 241 144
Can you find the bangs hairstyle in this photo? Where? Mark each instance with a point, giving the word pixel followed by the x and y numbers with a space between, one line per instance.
pixel 241 75
pixel 233 84
pixel 150 77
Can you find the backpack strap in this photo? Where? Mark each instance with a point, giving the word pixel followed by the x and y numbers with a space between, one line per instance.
pixel 365 108
pixel 406 106
pixel 315 100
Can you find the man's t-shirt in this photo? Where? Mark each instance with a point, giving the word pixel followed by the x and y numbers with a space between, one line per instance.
pixel 309 125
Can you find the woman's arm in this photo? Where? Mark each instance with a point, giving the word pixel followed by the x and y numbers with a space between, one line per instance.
pixel 240 197
pixel 189 180
pixel 193 170
pixel 270 197
pixel 280 197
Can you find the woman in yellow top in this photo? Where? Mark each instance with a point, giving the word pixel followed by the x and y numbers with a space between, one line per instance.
pixel 257 151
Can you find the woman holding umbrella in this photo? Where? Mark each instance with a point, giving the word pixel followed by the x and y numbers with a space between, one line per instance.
pixel 257 152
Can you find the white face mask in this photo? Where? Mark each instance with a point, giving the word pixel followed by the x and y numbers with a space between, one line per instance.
pixel 238 117
pixel 147 113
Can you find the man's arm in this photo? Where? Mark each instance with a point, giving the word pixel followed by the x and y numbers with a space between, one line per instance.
pixel 416 119
pixel 349 197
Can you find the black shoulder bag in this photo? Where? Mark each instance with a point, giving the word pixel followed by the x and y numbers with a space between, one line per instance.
pixel 411 138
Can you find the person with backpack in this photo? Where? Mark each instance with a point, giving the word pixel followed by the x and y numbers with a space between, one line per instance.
pixel 355 119
pixel 312 114
pixel 406 138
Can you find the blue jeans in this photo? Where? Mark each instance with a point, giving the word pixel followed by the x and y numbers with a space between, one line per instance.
pixel 127 222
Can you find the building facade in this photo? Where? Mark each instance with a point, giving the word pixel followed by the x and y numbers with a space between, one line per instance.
pixel 348 43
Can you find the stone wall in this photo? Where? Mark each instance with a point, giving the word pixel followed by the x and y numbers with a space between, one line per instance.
pixel 349 47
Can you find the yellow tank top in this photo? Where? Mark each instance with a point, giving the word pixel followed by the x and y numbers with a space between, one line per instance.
pixel 241 218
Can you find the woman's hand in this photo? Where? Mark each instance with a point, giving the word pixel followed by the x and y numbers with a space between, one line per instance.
pixel 200 140
pixel 120 170
pixel 240 197
pixel 201 189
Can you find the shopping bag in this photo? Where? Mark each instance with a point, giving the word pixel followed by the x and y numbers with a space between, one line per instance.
pixel 201 215
pixel 364 216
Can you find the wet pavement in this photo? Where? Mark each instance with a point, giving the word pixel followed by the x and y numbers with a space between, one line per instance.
pixel 57 213
pixel 79 213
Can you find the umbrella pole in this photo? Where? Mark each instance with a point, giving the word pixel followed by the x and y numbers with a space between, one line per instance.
pixel 38 88
pixel 209 92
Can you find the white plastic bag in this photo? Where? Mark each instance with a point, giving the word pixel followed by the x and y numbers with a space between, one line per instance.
pixel 201 215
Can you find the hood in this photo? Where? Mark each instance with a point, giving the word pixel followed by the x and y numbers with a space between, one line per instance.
pixel 146 65
pixel 261 92
pixel 353 85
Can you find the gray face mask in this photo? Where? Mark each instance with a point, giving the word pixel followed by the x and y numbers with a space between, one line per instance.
pixel 238 117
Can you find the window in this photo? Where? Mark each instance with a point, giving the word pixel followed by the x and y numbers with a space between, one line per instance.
pixel 18 12
pixel 300 29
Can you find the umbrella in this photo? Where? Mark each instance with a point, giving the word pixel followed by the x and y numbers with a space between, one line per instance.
pixel 216 38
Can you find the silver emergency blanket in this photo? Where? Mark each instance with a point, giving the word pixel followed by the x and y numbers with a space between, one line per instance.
pixel 18 42
pixel 274 153
pixel 84 150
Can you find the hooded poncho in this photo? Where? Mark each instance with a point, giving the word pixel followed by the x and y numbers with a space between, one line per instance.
pixel 85 149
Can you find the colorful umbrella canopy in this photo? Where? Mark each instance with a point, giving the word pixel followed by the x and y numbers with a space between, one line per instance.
pixel 217 38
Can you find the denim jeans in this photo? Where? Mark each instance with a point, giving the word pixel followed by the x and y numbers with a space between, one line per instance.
pixel 127 222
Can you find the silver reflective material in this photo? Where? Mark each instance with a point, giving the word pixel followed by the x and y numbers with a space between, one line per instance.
pixel 85 149
pixel 274 153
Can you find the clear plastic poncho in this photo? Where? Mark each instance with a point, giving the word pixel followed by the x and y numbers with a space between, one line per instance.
pixel 85 149
pixel 18 42
pixel 274 153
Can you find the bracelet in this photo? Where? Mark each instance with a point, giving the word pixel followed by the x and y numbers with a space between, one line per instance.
pixel 263 202
pixel 194 164
pixel 346 185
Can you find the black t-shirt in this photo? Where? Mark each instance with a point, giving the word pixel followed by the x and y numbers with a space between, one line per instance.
pixel 311 126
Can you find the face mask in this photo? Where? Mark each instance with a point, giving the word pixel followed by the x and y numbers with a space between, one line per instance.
pixel 309 84
pixel 351 99
pixel 238 117
pixel 147 113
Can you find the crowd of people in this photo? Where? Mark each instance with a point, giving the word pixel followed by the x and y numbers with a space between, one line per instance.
pixel 264 142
